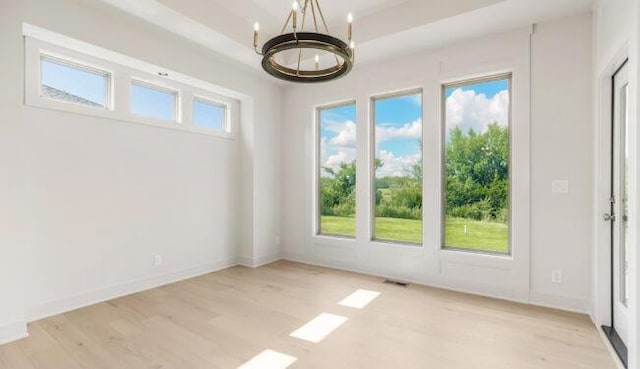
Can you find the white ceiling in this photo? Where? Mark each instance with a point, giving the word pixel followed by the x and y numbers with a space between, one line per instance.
pixel 397 26
pixel 332 9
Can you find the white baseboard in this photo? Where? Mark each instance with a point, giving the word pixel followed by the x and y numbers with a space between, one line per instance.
pixel 536 299
pixel 260 261
pixel 13 332
pixel 70 303
pixel 571 304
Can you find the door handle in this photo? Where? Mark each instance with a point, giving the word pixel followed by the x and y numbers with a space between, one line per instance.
pixel 608 217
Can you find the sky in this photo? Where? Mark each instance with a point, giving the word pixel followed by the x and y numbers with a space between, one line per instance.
pixel 398 123
pixel 85 84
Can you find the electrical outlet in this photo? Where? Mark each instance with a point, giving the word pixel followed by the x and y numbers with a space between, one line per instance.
pixel 157 260
pixel 560 186
pixel 556 276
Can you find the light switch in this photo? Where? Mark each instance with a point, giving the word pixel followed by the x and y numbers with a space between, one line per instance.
pixel 560 186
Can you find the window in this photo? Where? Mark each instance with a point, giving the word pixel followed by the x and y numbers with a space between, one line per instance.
pixel 74 77
pixel 337 170
pixel 209 115
pixel 477 165
pixel 73 83
pixel 398 168
pixel 153 102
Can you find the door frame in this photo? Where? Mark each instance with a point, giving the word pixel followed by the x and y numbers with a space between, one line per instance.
pixel 602 278
pixel 609 330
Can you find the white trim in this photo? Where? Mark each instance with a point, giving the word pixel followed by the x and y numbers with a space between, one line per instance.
pixel 13 332
pixel 573 304
pixel 70 303
pixel 260 260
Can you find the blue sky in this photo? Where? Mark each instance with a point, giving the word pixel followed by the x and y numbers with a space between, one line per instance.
pixel 90 86
pixel 489 89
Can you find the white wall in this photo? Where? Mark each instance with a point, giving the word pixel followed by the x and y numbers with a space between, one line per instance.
pixel 561 148
pixel 88 201
pixel 560 225
pixel 617 34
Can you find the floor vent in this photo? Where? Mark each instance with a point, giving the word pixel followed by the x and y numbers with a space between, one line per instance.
pixel 397 283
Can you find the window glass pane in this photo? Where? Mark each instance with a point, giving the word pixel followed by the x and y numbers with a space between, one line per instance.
pixel 72 83
pixel 476 173
pixel 153 102
pixel 209 115
pixel 337 177
pixel 398 168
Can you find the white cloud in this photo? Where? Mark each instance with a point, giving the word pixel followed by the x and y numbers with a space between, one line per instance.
pixel 396 166
pixel 334 160
pixel 345 134
pixel 408 130
pixel 469 110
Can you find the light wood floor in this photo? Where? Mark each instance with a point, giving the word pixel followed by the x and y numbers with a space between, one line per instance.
pixel 221 320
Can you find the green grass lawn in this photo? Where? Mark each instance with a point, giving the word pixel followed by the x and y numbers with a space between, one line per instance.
pixel 482 236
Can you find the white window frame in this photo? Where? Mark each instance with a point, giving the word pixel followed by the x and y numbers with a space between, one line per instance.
pixel 372 159
pixel 318 169
pixel 86 67
pixel 209 101
pixel 461 83
pixel 123 71
pixel 177 114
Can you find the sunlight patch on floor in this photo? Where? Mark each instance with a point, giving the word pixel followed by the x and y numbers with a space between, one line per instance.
pixel 359 299
pixel 319 328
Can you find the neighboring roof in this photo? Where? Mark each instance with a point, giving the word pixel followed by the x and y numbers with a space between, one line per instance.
pixel 54 93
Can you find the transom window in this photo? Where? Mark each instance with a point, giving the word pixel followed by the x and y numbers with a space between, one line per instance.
pixel 73 83
pixel 152 101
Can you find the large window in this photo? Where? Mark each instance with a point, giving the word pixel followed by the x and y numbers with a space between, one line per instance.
pixel 398 168
pixel 69 82
pixel 337 170
pixel 477 165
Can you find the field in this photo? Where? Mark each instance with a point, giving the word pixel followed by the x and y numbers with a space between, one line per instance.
pixel 484 236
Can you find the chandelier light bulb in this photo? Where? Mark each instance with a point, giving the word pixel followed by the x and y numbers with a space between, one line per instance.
pixel 352 45
pixel 294 6
pixel 256 26
pixel 350 18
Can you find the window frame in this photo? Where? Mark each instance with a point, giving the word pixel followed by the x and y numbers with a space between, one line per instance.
pixel 81 66
pixel 443 208
pixel 318 168
pixel 177 98
pixel 209 101
pixel 372 159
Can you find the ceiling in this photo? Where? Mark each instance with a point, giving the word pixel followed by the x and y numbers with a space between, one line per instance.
pixel 381 27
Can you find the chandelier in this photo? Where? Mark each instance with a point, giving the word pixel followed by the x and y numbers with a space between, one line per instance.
pixel 288 56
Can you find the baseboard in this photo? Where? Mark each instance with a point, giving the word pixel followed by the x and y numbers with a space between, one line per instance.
pixel 554 302
pixel 260 261
pixel 13 332
pixel 572 304
pixel 70 303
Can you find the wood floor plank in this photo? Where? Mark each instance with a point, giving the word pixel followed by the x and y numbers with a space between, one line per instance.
pixel 221 320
